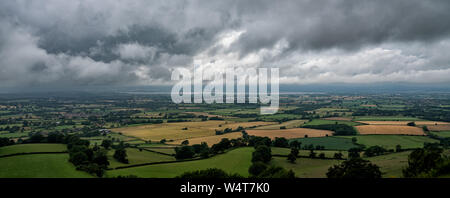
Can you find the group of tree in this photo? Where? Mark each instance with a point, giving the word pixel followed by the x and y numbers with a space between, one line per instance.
pixel 187 152
pixel 210 173
pixel 338 129
pixel 427 162
pixel 6 142
pixel 92 160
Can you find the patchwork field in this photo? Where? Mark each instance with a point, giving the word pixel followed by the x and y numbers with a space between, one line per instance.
pixel 439 127
pixel 182 130
pixel 339 118
pixel 30 148
pixel 286 151
pixel 389 129
pixel 330 143
pixel 235 161
pixel 403 122
pixel 138 157
pixel 290 133
pixel 391 165
pixel 289 124
pixel 391 141
pixel 39 166
pixel 444 134
pixel 210 140
pixel 320 121
pixel 384 118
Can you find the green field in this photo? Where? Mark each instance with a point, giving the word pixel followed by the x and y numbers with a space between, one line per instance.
pixel 286 151
pixel 330 143
pixel 169 151
pixel 305 167
pixel 444 134
pixel 320 122
pixel 30 148
pixel 235 161
pixel 138 157
pixel 391 165
pixel 391 141
pixel 385 118
pixel 39 166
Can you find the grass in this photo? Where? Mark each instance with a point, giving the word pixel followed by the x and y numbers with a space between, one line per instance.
pixel 391 165
pixel 320 122
pixel 286 151
pixel 444 134
pixel 138 157
pixel 330 143
pixel 29 148
pixel 163 150
pixel 306 167
pixel 391 141
pixel 39 166
pixel 234 161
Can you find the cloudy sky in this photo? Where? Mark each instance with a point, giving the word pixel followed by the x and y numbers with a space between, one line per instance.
pixel 139 42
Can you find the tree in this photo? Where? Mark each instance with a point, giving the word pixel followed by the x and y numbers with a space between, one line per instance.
pixel 184 152
pixel 185 142
pixel 210 173
pixel 322 155
pixel 106 144
pixel 291 158
pixel 257 168
pixel 276 172
pixel 262 153
pixel 398 148
pixel 422 161
pixel 295 144
pixel 354 168
pixel 354 140
pixel 338 155
pixel 281 142
pixel 354 152
pixel 120 154
pixel 374 151
pixel 411 124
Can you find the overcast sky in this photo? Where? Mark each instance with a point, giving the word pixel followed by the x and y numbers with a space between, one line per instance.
pixel 138 42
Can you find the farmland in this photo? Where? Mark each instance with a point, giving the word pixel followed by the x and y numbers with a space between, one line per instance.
pixel 210 140
pixel 290 133
pixel 390 141
pixel 330 143
pixel 389 129
pixel 32 148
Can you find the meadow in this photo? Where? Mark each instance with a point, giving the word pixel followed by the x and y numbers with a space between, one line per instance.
pixel 234 161
pixel 330 143
pixel 136 156
pixel 391 141
pixel 30 148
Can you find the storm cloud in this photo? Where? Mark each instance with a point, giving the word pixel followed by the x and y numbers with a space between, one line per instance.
pixel 138 42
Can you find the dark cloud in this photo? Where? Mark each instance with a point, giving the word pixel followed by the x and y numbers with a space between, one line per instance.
pixel 88 42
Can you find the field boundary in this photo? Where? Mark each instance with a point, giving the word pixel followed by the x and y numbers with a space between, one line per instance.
pixel 157 152
pixel 32 153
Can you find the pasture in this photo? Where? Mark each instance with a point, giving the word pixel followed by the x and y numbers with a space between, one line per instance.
pixel 286 151
pixel 235 161
pixel 391 141
pixel 39 166
pixel 288 125
pixel 330 143
pixel 30 148
pixel 138 157
pixel 444 134
pixel 290 133
pixel 306 167
pixel 391 165
pixel 389 130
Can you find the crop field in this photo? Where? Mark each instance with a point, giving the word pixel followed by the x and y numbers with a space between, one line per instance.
pixel 288 125
pixel 138 157
pixel 235 161
pixel 210 140
pixel 175 131
pixel 389 129
pixel 385 118
pixel 320 121
pixel 439 127
pixel 290 133
pixel 30 148
pixel 330 143
pixel 403 122
pixel 391 141
pixel 39 166
pixel 339 118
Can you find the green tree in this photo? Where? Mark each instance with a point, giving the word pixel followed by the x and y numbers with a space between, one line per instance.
pixel 257 168
pixel 262 153
pixel 120 154
pixel 354 168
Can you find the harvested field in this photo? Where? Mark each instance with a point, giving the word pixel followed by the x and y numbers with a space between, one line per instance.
pixel 288 125
pixel 183 130
pixel 290 133
pixel 404 122
pixel 339 118
pixel 210 140
pixel 389 129
pixel 442 127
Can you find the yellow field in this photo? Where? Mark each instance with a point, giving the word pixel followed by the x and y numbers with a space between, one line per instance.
pixel 288 125
pixel 403 122
pixel 290 133
pixel 174 131
pixel 389 129
pixel 210 140
pixel 442 127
